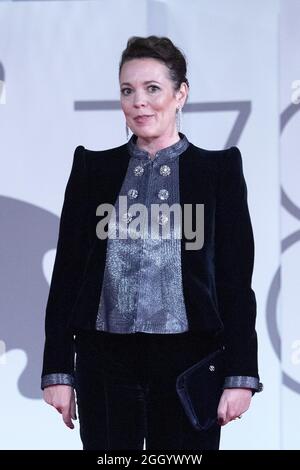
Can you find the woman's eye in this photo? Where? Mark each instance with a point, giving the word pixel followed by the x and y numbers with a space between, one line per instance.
pixel 124 91
pixel 153 87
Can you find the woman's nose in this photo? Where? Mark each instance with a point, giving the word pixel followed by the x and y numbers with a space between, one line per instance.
pixel 139 99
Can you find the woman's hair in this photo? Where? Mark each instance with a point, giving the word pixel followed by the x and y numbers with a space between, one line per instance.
pixel 160 48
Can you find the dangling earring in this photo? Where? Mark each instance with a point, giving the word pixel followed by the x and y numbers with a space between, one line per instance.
pixel 127 132
pixel 178 119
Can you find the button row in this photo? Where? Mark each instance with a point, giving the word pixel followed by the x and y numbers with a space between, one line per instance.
pixel 163 194
pixel 164 170
pixel 162 219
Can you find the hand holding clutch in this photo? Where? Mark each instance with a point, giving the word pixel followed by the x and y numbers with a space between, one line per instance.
pixel 200 388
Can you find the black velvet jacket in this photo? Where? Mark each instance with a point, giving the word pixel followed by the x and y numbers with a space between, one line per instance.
pixel 216 278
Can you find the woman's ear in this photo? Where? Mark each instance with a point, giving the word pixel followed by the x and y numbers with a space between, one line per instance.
pixel 182 94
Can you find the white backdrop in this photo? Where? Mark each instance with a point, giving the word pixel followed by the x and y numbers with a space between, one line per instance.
pixel 59 63
pixel 290 223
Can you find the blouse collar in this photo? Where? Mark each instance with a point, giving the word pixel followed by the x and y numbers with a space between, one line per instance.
pixel 166 153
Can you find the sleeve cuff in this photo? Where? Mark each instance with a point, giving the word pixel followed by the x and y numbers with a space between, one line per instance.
pixel 242 381
pixel 57 379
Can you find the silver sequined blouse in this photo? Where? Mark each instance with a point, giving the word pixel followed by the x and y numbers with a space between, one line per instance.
pixel 141 275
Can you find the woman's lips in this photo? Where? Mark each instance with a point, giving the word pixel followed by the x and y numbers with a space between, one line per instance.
pixel 142 119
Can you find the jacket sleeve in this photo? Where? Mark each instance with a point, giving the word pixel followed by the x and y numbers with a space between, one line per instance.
pixel 234 259
pixel 70 260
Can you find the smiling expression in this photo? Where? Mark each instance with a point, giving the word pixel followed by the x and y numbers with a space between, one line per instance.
pixel 148 98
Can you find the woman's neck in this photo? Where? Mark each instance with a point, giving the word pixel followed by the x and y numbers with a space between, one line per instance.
pixel 153 145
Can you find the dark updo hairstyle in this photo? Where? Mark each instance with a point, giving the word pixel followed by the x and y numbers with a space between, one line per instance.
pixel 160 48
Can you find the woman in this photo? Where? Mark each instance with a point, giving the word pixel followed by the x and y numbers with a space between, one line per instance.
pixel 143 308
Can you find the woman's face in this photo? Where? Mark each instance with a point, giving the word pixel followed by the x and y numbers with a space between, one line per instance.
pixel 148 98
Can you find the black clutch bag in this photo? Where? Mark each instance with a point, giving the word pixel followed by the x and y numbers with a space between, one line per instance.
pixel 199 389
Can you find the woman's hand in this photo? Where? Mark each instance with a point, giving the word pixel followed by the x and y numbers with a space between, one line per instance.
pixel 233 403
pixel 62 397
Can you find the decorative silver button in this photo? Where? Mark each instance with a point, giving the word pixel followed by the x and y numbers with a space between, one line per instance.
pixel 212 368
pixel 139 170
pixel 162 219
pixel 133 193
pixel 127 217
pixel 165 170
pixel 163 194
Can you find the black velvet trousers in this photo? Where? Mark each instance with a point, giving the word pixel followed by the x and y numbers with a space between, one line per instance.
pixel 125 387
